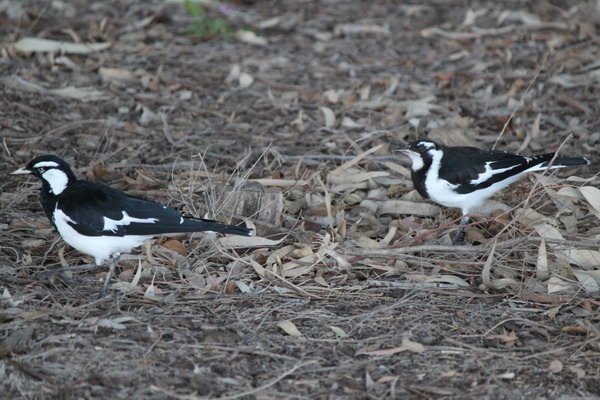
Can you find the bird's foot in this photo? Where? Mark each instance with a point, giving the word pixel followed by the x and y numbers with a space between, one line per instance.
pixel 459 236
pixel 111 271
pixel 102 293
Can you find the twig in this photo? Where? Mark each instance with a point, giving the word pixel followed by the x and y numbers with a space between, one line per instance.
pixel 268 384
pixel 390 253
pixel 412 285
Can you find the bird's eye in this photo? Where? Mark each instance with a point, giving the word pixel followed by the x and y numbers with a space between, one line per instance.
pixel 41 170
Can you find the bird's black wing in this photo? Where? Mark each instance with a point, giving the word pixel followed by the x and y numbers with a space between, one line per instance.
pixel 474 169
pixel 462 165
pixel 99 210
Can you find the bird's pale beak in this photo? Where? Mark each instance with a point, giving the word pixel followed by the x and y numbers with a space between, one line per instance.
pixel 21 171
pixel 402 151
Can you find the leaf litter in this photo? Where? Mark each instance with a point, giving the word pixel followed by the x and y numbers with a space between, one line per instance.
pixel 348 261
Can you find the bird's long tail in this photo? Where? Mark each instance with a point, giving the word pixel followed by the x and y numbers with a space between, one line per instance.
pixel 205 225
pixel 562 162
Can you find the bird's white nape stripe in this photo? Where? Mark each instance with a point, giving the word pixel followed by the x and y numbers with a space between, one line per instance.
pixel 56 178
pixel 43 164
pixel 113 224
pixel 428 145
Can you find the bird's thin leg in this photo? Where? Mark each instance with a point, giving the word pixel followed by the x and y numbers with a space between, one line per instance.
pixel 459 235
pixel 111 271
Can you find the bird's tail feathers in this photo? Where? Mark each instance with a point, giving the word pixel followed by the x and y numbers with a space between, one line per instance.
pixel 206 225
pixel 563 162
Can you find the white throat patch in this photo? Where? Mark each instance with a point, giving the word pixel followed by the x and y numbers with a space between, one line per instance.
pixel 417 160
pixel 56 179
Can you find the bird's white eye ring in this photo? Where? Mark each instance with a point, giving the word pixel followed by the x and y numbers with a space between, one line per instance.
pixel 41 170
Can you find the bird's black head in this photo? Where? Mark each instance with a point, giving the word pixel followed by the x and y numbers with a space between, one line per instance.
pixel 419 152
pixel 52 170
pixel 422 146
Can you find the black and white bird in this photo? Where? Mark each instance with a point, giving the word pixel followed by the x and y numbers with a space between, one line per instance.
pixel 102 221
pixel 465 177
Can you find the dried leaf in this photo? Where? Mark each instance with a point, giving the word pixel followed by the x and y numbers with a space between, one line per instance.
pixel 587 281
pixel 115 74
pixel 419 107
pixel 361 29
pixel 383 352
pixel 542 272
pixel 329 116
pixel 152 293
pixel 32 45
pixel 407 345
pixel 278 254
pixel 176 245
pixel 354 161
pixel 556 366
pixel 338 331
pixel 398 207
pixel 84 94
pixel 524 17
pixel 130 287
pixel 236 242
pixel 243 287
pixel 555 284
pixel 399 169
pixel 116 323
pixel 587 259
pixel 508 339
pixel 32 243
pixel 507 375
pixel 412 346
pixel 245 80
pixel 455 280
pixel 592 195
pixel 580 373
pixel 251 38
pixel 351 124
pixel 352 176
pixel 289 327
pixel 333 96
pixel 486 274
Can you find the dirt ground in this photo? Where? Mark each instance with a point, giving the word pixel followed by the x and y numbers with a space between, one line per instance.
pixel 288 112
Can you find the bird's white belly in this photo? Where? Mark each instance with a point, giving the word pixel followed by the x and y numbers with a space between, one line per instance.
pixel 99 247
pixel 443 193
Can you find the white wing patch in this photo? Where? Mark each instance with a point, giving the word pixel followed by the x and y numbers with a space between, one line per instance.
pixel 57 179
pixel 180 220
pixel 45 164
pixel 113 224
pixel 489 172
